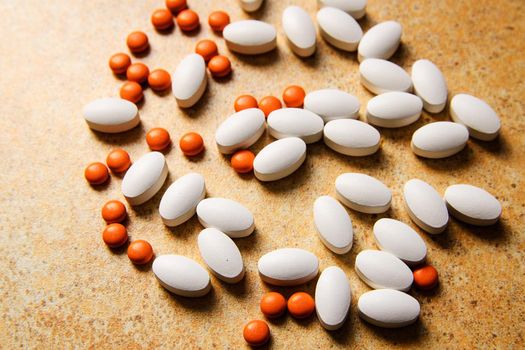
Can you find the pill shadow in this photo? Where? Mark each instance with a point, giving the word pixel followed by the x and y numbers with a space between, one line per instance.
pixel 445 240
pixel 226 79
pixel 402 56
pixel 162 93
pixel 261 11
pixel 186 230
pixel 290 183
pixel 407 335
pixel 145 267
pixel 123 138
pixel 120 250
pixel 151 205
pixel 429 293
pixel 268 58
pixel 204 304
pixel 239 289
pixel 248 243
pixel 312 61
pixel 366 162
pixel 461 160
pixel 343 335
pixel 166 31
pixel 192 33
pixel 102 187
pixel 498 146
pixel 497 233
pixel 143 53
pixel 366 23
pixel 199 108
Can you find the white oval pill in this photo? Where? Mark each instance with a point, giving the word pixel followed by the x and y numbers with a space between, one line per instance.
pixel 339 28
pixel 351 137
pixel 179 202
pixel 333 224
pixel 401 240
pixel 279 159
pixel 300 31
pixel 363 193
pixel 472 205
pixel 480 119
pixel 380 41
pixel 250 37
pixel 393 109
pixel 221 255
pixel 111 115
pixel 144 178
pixel 288 267
pixel 425 206
pixel 240 130
pixel 298 122
pixel 380 76
pixel 388 308
pixel 332 298
pixel 226 215
pixel 331 104
pixel 250 5
pixel 189 80
pixel 355 8
pixel 181 275
pixel 430 85
pixel 381 269
pixel 439 139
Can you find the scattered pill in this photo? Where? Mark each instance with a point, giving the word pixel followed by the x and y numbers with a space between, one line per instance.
pixel 298 122
pixel 207 49
pixel 393 109
pixel 137 42
pixel 380 76
pixel 439 139
pixel 242 161
pixel 240 130
pixel 244 102
pixel 256 333
pixel 351 137
pixel 333 225
pixel 331 104
pixel 388 308
pixel 401 240
pixel 137 72
pixel 162 19
pixel 131 91
pixel 96 173
pixel 430 85
pixel 159 80
pixel 250 5
pixel 114 211
pixel 380 269
pixel 363 193
pixel 175 6
pixel 288 267
pixel 339 28
pixel 332 298
pixel 426 277
pixel 293 96
pixel 119 63
pixel 220 66
pixel 301 305
pixel 111 115
pixel 380 41
pixel 355 8
pixel 158 139
pixel 189 80
pixel 480 119
pixel 144 178
pixel 188 20
pixel 273 304
pixel 226 215
pixel 472 205
pixel 279 159
pixel 181 275
pixel 300 31
pixel 115 235
pixel 140 252
pixel 250 37
pixel 191 144
pixel 268 104
pixel 218 20
pixel 118 160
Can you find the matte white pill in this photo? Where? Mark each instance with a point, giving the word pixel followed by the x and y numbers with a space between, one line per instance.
pixel 111 115
pixel 144 178
pixel 289 122
pixel 332 298
pixel 425 206
pixel 226 215
pixel 179 202
pixel 381 269
pixel 363 193
pixel 288 267
pixel 380 41
pixel 189 80
pixel 339 28
pixel 181 275
pixel 430 85
pixel 355 8
pixel 300 31
pixel 221 255
pixel 472 205
pixel 250 5
pixel 401 240
pixel 250 37
pixel 393 109
pixel 439 139
pixel 240 130
pixel 333 224
pixel 279 159
pixel 388 308
pixel 351 137
pixel 480 119
pixel 380 76
pixel 331 104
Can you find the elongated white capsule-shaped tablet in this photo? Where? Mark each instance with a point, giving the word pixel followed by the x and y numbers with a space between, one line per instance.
pixel 250 37
pixel 331 104
pixel 425 206
pixel 179 202
pixel 480 119
pixel 439 139
pixel 300 31
pixel 355 8
pixel 279 159
pixel 240 130
pixel 363 193
pixel 381 269
pixel 380 41
pixel 388 308
pixel 333 224
pixel 393 109
pixel 289 122
pixel 250 5
pixel 401 240
pixel 144 178
pixel 339 28
pixel 189 80
pixel 181 275
pixel 111 115
pixel 288 267
pixel 380 76
pixel 351 137
pixel 429 84
pixel 472 205
pixel 226 215
pixel 332 297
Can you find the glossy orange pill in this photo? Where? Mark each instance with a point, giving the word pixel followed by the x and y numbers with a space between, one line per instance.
pixel 162 19
pixel 188 20
pixel 118 160
pixel 220 66
pixel 137 42
pixel 293 96
pixel 426 277
pixel 256 332
pixel 218 20
pixel 207 49
pixel 159 80
pixel 114 211
pixel 269 104
pixel 273 304
pixel 191 144
pixel 242 161
pixel 301 305
pixel 244 102
pixel 140 252
pixel 158 139
pixel 131 91
pixel 175 6
pixel 137 72
pixel 96 173
pixel 115 235
pixel 119 63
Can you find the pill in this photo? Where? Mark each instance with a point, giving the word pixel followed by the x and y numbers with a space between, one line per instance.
pixel 158 139
pixel 380 41
pixel 159 80
pixel 137 42
pixel 240 130
pixel 140 252
pixel 144 178
pixel 333 225
pixel 226 215
pixel 293 96
pixel 179 202
pixel 426 277
pixel 279 159
pixel 288 267
pixel 401 240
pixel 380 269
pixel 137 72
pixel 256 333
pixel 380 76
pixel 268 104
pixel 162 19
pixel 207 49
pixel 111 115
pixel 299 30
pixel 220 66
pixel 250 5
pixel 188 20
pixel 363 193
pixel 273 304
pixel 331 104
pixel 96 173
pixel 472 205
pixel 181 275
pixel 119 63
pixel 355 8
pixel 242 161
pixel 339 28
pixel 218 20
pixel 244 102
pixel 332 298
pixel 351 137
pixel 175 6
pixel 388 308
pixel 191 144
pixel 425 206
pixel 301 305
pixel 429 84
pixel 118 160
pixel 189 80
pixel 221 255
pixel 114 211
pixel 393 109
pixel 131 91
pixel 302 123
pixel 250 37
pixel 115 235
pixel 439 139
pixel 481 120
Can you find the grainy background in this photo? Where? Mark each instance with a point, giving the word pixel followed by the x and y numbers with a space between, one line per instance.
pixel 62 288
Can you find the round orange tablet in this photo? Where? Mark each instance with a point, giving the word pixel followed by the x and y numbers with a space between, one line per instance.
pixel 207 49
pixel 188 20
pixel 269 104
pixel 140 252
pixel 218 20
pixel 293 96
pixel 220 66
pixel 137 72
pixel 256 332
pixel 191 144
pixel 115 235
pixel 137 42
pixel 158 139
pixel 96 173
pixel 426 277
pixel 244 102
pixel 273 304
pixel 118 160
pixel 119 63
pixel 175 6
pixel 301 305
pixel 131 91
pixel 242 161
pixel 114 211
pixel 162 19
pixel 159 80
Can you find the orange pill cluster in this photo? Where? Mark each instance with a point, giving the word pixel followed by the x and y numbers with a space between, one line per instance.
pixel 218 65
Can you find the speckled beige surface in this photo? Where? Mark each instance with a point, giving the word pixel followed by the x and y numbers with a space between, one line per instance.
pixel 62 288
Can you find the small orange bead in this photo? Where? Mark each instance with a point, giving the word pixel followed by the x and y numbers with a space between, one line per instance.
pixel 301 305
pixel 256 332
pixel 162 19
pixel 96 173
pixel 218 20
pixel 115 235
pixel 244 102
pixel 131 91
pixel 137 42
pixel 242 161
pixel 269 104
pixel 175 6
pixel 158 139
pixel 159 80
pixel 114 211
pixel 273 304
pixel 220 66
pixel 191 144
pixel 119 63
pixel 140 252
pixel 426 277
pixel 207 49
pixel 293 96
pixel 137 72
pixel 188 20
pixel 118 160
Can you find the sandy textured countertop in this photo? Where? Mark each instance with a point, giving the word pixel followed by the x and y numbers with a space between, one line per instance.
pixel 62 288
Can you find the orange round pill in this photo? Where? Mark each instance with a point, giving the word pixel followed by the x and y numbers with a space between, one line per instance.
pixel 426 277
pixel 131 91
pixel 119 63
pixel 175 6
pixel 159 80
pixel 273 304
pixel 269 104
pixel 115 235
pixel 188 20
pixel 140 252
pixel 137 42
pixel 244 102
pixel 207 49
pixel 256 332
pixel 191 144
pixel 220 66
pixel 162 19
pixel 96 173
pixel 218 20
pixel 158 139
pixel 301 305
pixel 118 160
pixel 242 161
pixel 293 96
pixel 137 72
pixel 114 211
